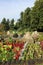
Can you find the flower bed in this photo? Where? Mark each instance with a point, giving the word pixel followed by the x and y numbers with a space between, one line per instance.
pixel 19 52
pixel 10 51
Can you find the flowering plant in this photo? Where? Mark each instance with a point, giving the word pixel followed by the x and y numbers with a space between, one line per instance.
pixel 17 50
pixel 32 51
pixel 10 51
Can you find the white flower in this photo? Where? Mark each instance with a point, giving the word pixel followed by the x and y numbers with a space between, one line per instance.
pixel 27 37
pixel 23 50
pixel 8 33
pixel 35 35
pixel 27 34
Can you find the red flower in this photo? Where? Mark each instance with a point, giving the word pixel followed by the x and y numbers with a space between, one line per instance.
pixel 41 43
pixel 16 57
pixel 18 53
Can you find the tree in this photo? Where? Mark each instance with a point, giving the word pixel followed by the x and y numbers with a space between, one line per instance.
pixel 24 21
pixel 37 16
pixel 40 27
pixel 1 27
pixel 7 25
pixel 27 17
pixel 4 23
pixel 12 24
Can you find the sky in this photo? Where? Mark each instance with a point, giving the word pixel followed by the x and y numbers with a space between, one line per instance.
pixel 12 8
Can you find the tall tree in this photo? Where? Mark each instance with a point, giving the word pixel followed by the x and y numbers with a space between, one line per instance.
pixel 3 22
pixel 24 21
pixel 7 25
pixel 27 17
pixel 37 16
pixel 12 24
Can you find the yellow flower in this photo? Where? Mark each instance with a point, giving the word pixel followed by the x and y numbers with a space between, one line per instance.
pixel 3 59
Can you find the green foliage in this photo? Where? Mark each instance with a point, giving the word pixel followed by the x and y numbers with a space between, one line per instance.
pixel 5 24
pixel 40 38
pixel 32 18
pixel 32 51
pixel 5 54
pixel 12 24
pixel 10 40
